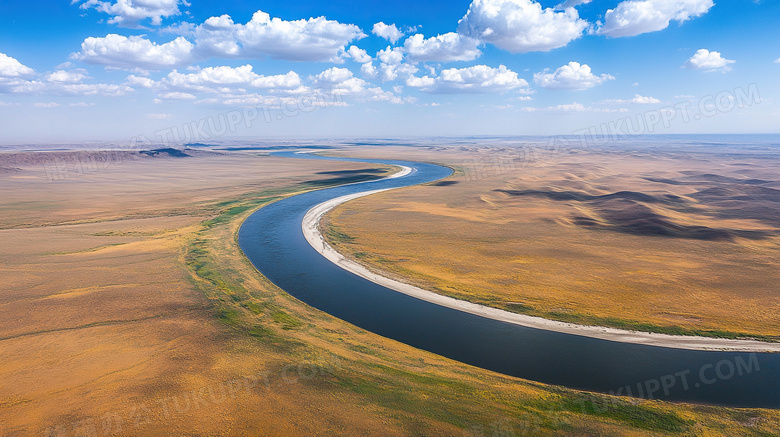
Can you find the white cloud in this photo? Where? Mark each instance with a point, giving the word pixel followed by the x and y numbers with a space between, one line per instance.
pixel 224 84
pixel 341 82
pixel 520 26
pixel 333 75
pixel 387 31
pixel 130 12
pixel 143 82
pixel 134 52
pixel 359 55
pixel 46 105
pixel 777 61
pixel 706 60
pixel 476 79
pixel 442 48
pixel 81 105
pixel 368 70
pixel 571 4
pixel 177 96
pixel 10 67
pixel 634 17
pixel 389 72
pixel 225 76
pixel 391 65
pixel 391 55
pixel 63 76
pixel 639 99
pixel 644 100
pixel 313 39
pixel 571 76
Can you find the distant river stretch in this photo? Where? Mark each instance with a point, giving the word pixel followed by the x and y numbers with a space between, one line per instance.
pixel 273 241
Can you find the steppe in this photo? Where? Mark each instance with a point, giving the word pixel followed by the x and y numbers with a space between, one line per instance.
pixel 127 308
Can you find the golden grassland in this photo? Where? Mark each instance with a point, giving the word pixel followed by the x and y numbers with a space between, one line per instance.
pixel 553 238
pixel 127 308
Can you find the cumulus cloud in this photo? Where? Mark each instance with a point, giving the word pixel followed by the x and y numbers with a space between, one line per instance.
pixel 391 65
pixel 571 76
pixel 359 55
pixel 130 12
pixel 634 17
pixel 442 48
pixel 520 26
pixel 368 70
pixel 134 52
pixel 391 55
pixel 212 78
pixel 706 60
pixel 10 67
pixel 476 79
pixel 777 61
pixel 387 31
pixel 46 105
pixel 313 39
pixel 644 100
pixel 639 99
pixel 63 76
pixel 143 82
pixel 223 84
pixel 341 82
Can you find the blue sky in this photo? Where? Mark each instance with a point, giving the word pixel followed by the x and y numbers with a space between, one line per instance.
pixel 115 70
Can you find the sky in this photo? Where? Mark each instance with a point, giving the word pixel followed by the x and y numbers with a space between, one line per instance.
pixel 183 71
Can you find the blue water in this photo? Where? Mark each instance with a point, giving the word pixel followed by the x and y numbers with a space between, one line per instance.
pixel 273 241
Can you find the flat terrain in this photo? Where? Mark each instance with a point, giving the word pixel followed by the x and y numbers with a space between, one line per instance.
pixel 126 308
pixel 673 241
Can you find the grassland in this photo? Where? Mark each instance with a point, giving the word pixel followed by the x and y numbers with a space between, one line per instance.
pixel 113 324
pixel 678 243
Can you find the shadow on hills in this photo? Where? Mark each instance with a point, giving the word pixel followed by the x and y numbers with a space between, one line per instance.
pixel 633 218
pixel 625 212
pixel 582 197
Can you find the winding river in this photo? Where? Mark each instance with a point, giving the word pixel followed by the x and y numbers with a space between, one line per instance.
pixel 274 242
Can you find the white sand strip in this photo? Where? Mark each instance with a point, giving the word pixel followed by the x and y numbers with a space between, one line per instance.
pixel 311 231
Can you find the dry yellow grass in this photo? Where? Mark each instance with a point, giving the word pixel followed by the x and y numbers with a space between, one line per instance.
pixel 142 320
pixel 503 241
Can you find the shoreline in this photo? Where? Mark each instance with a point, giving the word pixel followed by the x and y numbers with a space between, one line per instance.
pixel 311 231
